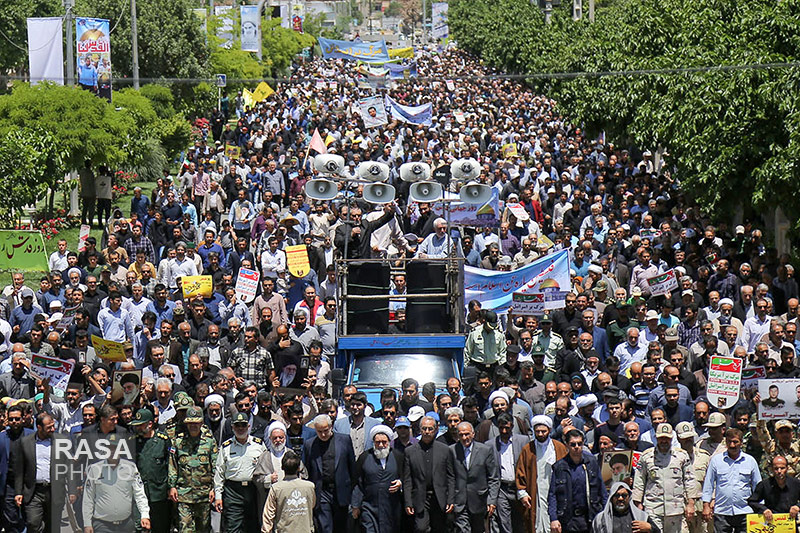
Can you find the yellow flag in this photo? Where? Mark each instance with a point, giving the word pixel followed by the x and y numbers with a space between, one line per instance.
pixel 197 286
pixel 109 350
pixel 509 150
pixel 329 139
pixel 247 96
pixel 262 92
pixel 401 52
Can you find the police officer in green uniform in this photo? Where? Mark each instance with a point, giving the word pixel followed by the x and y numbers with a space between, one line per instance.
pixel 548 341
pixel 235 492
pixel 175 425
pixel 152 458
pixel 191 474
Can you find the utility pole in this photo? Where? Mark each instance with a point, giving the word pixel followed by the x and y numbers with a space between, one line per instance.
pixel 70 44
pixel 548 11
pixel 577 10
pixel 591 10
pixel 135 45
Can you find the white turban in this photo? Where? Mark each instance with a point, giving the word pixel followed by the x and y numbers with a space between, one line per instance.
pixel 584 400
pixel 380 428
pixel 497 394
pixel 214 398
pixel 276 424
pixel 726 301
pixel 542 420
pixel 596 269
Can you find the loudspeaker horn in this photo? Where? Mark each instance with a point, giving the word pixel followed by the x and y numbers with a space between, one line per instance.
pixel 378 193
pixel 329 164
pixel 466 169
pixel 415 171
pixel 373 171
pixel 475 193
pixel 321 189
pixel 425 191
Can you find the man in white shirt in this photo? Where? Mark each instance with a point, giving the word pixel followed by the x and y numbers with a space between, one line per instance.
pixel 273 260
pixel 181 266
pixel 58 259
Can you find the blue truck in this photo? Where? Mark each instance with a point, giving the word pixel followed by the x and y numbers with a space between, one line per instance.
pixel 384 337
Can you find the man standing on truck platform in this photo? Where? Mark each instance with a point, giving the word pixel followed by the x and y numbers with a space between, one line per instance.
pixel 486 345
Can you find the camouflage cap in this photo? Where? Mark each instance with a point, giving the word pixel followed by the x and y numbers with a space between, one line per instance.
pixel 182 401
pixel 194 414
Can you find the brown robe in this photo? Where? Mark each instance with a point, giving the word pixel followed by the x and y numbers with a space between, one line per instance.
pixel 527 473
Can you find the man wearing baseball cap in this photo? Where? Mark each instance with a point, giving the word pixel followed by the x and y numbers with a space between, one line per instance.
pixel 686 437
pixel 665 486
pixel 714 442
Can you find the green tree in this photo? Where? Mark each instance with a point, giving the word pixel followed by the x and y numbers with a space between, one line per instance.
pixel 171 42
pixel 280 45
pixel 733 135
pixel 13 15
pixel 395 9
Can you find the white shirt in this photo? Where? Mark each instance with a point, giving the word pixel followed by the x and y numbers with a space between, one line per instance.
pixel 58 261
pixel 272 263
pixel 43 460
pixel 181 269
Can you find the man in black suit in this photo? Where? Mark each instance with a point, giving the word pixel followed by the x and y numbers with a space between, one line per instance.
pixel 331 462
pixel 473 482
pixel 507 447
pixel 37 488
pixel 425 483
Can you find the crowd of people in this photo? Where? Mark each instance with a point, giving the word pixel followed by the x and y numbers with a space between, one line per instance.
pixel 233 433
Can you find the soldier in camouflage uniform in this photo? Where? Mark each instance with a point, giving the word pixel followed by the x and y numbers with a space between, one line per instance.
pixel 785 445
pixel 193 457
pixel 175 425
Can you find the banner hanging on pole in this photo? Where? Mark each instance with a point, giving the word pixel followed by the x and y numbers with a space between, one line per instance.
pixel 94 55
pixel 251 28
pixel 45 50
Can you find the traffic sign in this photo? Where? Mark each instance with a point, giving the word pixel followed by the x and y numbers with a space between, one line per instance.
pixel 222 80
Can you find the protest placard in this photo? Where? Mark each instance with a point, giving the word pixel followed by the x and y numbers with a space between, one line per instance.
pixel 57 370
pixel 297 260
pixel 197 286
pixel 247 285
pixel 780 398
pixel 663 283
pixel 724 381
pixel 109 350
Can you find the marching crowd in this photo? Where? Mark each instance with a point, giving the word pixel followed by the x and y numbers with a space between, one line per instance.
pixel 232 432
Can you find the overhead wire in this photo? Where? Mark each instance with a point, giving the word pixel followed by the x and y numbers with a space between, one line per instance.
pixel 459 77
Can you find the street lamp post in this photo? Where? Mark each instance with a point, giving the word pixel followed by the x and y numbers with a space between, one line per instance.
pixel 135 45
pixel 70 43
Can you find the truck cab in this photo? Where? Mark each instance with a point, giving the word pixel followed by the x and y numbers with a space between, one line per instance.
pixel 385 338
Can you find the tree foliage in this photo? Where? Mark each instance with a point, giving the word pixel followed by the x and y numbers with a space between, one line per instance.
pixel 171 41
pixel 733 135
pixel 13 13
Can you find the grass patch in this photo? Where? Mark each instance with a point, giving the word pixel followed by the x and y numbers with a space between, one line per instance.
pixel 71 234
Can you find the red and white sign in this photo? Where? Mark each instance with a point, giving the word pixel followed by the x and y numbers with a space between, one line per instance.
pixel 247 285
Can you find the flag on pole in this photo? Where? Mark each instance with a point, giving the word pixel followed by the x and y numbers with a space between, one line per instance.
pixel 262 92
pixel 329 139
pixel 247 96
pixel 317 143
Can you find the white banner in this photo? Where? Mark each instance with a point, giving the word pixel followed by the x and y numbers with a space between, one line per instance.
pixel 46 50
pixel 439 27
pixel 780 398
pixel 251 29
pixel 225 28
